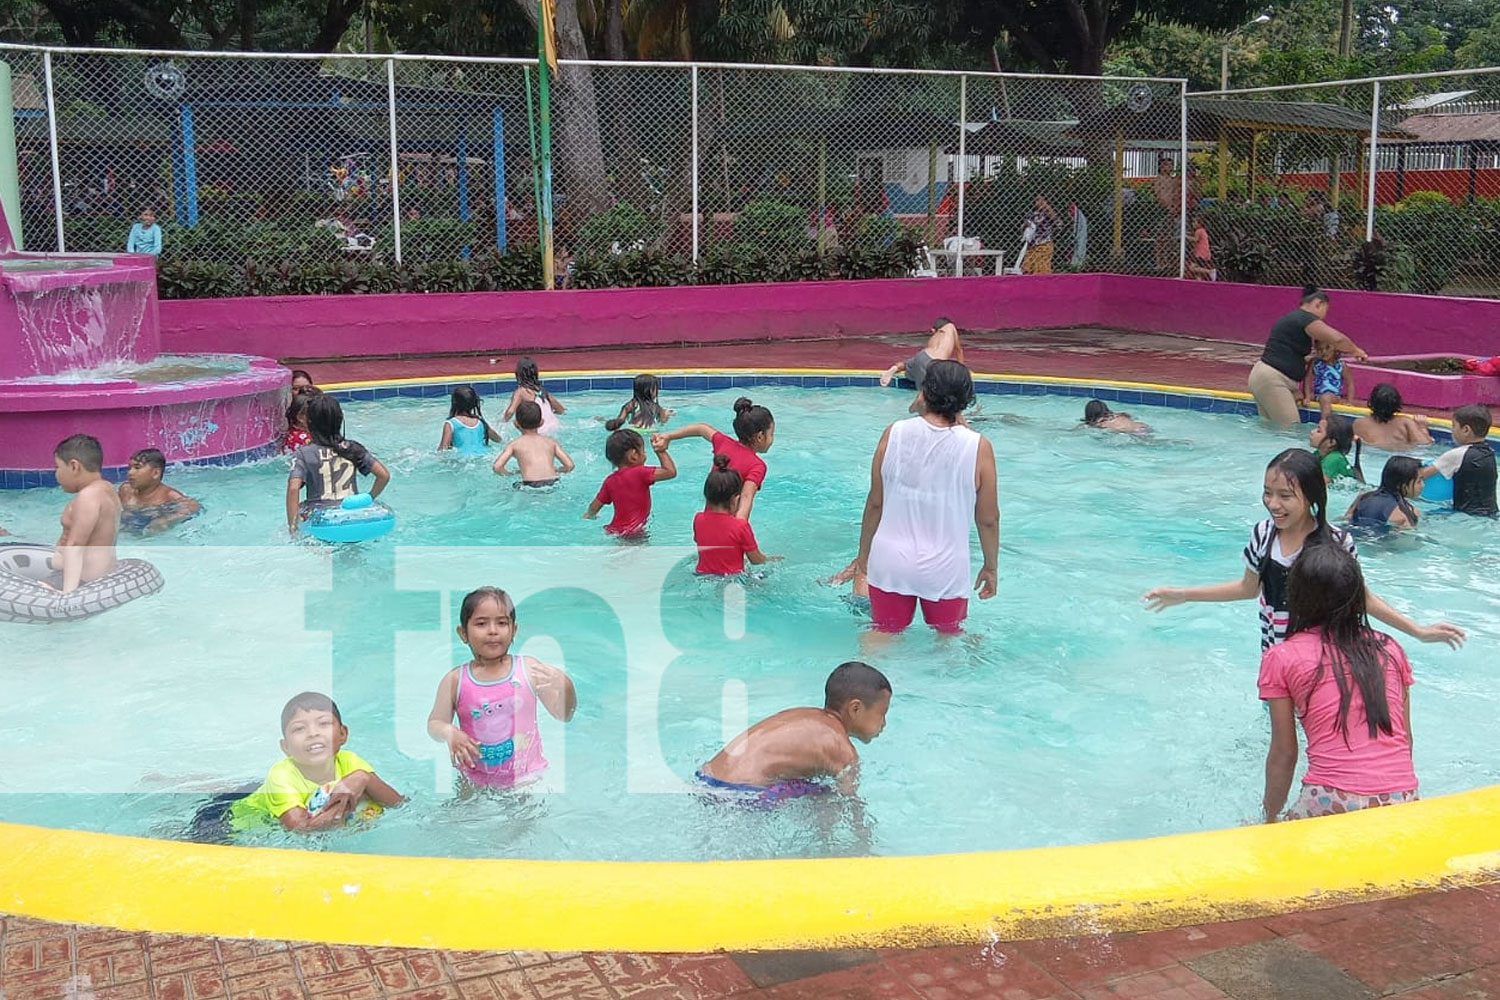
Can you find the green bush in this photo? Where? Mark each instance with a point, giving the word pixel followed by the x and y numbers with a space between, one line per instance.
pixel 623 225
pixel 773 227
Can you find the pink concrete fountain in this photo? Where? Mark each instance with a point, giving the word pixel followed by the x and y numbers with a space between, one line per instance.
pixel 80 353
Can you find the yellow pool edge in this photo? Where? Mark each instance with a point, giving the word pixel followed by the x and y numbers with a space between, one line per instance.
pixel 169 887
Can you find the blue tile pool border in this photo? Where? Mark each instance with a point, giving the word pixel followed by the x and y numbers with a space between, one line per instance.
pixel 1201 401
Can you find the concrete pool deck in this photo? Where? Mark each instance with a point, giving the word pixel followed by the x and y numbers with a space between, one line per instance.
pixel 1435 946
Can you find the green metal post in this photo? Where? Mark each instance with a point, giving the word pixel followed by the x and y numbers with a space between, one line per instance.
pixel 544 99
pixel 10 176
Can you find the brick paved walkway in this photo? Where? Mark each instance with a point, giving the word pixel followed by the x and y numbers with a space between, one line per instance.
pixel 1439 946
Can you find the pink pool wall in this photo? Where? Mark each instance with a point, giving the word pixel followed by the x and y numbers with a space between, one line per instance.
pixel 376 325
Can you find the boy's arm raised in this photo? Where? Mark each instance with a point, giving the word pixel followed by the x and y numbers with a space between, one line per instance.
pixel 668 467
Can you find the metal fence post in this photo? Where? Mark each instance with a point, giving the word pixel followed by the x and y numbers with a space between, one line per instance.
pixel 963 135
pixel 1182 186
pixel 390 91
pixel 57 197
pixel 1374 163
pixel 694 163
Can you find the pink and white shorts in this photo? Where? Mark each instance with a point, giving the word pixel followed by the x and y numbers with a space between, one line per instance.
pixel 1321 800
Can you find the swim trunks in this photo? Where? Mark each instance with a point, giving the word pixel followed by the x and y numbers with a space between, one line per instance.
pixel 916 368
pixel 1324 800
pixel 778 791
pixel 535 484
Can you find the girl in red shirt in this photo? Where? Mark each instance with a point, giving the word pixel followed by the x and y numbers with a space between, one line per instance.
pixel 756 430
pixel 724 540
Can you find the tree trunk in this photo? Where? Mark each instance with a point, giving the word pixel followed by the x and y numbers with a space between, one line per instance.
pixel 614 30
pixel 1346 30
pixel 575 120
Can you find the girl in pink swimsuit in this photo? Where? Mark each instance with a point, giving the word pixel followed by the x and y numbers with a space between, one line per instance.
pixel 494 697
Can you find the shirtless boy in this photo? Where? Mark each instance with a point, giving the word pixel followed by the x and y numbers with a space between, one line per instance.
pixel 90 521
pixel 942 345
pixel 778 757
pixel 150 505
pixel 534 452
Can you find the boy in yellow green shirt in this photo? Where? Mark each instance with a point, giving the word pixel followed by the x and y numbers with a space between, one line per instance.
pixel 318 785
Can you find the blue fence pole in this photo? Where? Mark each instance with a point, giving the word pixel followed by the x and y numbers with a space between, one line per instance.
pixel 185 169
pixel 461 156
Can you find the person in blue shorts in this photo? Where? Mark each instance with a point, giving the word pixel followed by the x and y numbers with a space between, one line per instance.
pixel 785 755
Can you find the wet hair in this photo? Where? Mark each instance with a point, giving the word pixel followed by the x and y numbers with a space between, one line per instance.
pixel 723 483
pixel 621 443
pixel 853 680
pixel 325 423
pixel 150 456
pixel 750 420
pixel 1384 401
pixel 1302 469
pixel 85 449
pixel 465 403
pixel 948 389
pixel 1475 417
pixel 529 415
pixel 528 377
pixel 309 701
pixel 1326 590
pixel 1340 430
pixel 1096 411
pixel 1312 293
pixel 940 322
pixel 474 598
pixel 642 406
pixel 1399 473
pixel 297 407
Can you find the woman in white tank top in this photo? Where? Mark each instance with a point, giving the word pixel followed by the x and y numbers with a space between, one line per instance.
pixel 932 478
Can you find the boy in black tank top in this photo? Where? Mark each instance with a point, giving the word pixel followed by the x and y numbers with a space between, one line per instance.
pixel 1471 465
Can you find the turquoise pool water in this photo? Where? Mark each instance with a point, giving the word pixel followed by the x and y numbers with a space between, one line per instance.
pixel 1067 714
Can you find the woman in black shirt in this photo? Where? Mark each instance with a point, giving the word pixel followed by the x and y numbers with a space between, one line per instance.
pixel 1275 377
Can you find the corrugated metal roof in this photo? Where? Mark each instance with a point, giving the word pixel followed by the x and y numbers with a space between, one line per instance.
pixel 1481 127
pixel 1207 115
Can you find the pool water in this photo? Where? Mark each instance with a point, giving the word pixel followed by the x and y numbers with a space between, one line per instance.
pixel 1066 714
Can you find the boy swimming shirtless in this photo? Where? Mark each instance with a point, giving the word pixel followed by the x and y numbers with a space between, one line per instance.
pixel 534 452
pixel 780 757
pixel 150 505
pixel 90 521
pixel 942 345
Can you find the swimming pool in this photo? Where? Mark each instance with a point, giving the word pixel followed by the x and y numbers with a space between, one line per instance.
pixel 1067 715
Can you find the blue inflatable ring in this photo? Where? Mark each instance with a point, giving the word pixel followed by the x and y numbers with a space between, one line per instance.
pixel 1438 488
pixel 356 519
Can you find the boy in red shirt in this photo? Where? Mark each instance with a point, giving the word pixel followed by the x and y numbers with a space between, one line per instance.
pixel 629 486
pixel 724 540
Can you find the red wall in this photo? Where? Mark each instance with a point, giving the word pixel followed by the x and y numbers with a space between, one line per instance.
pixel 1453 183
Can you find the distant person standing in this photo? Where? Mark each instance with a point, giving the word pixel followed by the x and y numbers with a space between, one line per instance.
pixel 145 235
pixel 1167 187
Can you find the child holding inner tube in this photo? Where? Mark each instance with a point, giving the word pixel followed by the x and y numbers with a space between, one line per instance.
pixel 328 466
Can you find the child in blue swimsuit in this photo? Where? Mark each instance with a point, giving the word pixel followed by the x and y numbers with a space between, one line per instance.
pixel 466 431
pixel 1330 382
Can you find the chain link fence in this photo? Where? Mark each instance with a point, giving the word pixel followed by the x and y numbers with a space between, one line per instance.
pixel 310 174
pixel 1388 184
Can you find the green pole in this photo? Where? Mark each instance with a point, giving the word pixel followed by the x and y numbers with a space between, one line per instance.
pixel 536 184
pixel 544 100
pixel 10 176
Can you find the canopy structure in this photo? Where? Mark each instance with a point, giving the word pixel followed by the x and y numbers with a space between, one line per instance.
pixel 1215 119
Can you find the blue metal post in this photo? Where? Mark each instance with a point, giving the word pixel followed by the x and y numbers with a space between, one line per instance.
pixel 185 169
pixel 499 172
